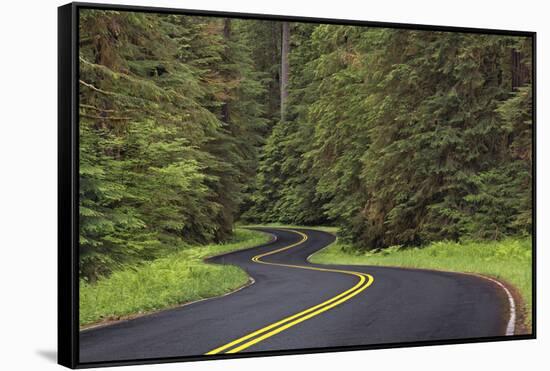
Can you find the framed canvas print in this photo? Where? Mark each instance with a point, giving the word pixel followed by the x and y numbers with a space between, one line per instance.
pixel 236 185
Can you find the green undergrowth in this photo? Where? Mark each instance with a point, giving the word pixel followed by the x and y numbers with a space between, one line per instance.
pixel 174 279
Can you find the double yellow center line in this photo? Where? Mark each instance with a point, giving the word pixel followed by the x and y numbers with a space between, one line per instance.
pixel 365 280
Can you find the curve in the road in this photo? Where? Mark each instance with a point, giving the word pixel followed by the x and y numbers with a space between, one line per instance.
pixel 244 342
pixel 296 305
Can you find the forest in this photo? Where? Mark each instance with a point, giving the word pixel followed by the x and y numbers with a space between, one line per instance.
pixel 190 125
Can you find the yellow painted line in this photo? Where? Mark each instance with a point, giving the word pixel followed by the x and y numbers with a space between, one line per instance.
pixel 365 280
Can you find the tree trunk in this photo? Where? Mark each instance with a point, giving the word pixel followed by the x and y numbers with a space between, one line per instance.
pixel 520 72
pixel 285 49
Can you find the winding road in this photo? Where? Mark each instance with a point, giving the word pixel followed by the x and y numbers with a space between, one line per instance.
pixel 296 305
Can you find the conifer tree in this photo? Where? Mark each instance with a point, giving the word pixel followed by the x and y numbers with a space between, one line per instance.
pixel 400 137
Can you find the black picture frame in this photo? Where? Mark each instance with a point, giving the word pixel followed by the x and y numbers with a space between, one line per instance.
pixel 68 180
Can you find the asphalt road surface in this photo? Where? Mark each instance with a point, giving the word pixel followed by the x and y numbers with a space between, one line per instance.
pixel 297 305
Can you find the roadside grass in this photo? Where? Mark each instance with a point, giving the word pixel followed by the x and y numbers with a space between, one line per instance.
pixel 175 279
pixel 508 260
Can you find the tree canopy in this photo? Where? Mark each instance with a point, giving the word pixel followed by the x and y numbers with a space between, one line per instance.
pixel 400 137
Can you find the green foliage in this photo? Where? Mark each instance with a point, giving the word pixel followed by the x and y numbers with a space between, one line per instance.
pixel 401 137
pixel 174 279
pixel 264 40
pixel 285 183
pixel 169 129
pixel 501 202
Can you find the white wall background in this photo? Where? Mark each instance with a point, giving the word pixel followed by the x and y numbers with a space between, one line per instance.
pixel 28 182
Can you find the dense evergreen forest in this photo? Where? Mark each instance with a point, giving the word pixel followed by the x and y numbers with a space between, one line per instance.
pixel 190 124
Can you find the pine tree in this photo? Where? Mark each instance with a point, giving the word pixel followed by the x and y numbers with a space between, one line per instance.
pixel 159 165
pixel 400 137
